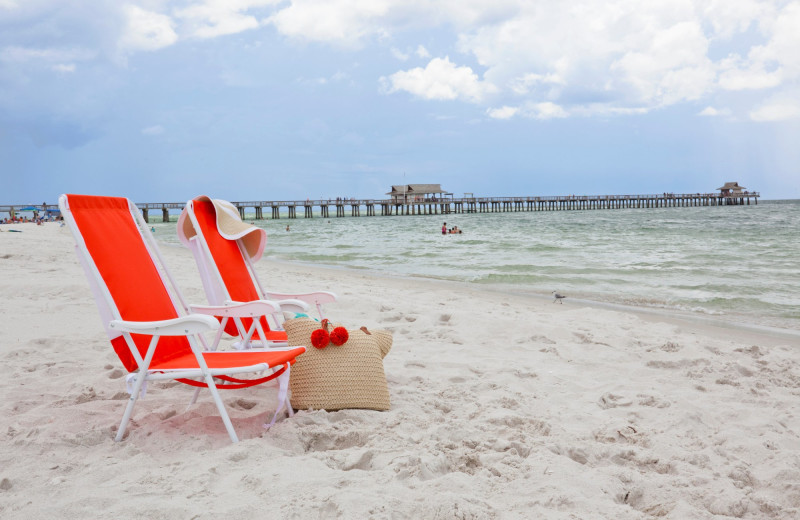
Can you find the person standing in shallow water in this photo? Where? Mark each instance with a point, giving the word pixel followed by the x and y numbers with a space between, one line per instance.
pixel 444 228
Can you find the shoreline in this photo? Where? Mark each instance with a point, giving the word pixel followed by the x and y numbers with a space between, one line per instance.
pixel 721 323
pixel 655 313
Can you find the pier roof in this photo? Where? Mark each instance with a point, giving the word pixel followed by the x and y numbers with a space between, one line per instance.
pixel 416 189
pixel 734 186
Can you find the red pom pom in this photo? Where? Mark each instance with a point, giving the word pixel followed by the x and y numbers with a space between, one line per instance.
pixel 339 336
pixel 320 338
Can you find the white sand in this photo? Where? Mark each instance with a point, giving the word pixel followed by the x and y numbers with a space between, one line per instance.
pixel 502 407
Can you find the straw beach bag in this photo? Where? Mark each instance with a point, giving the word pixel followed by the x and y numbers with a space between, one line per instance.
pixel 337 377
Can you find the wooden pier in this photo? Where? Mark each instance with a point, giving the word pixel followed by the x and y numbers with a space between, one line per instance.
pixel 386 207
pixel 448 205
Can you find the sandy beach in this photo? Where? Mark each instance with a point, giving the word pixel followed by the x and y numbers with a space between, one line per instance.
pixel 502 407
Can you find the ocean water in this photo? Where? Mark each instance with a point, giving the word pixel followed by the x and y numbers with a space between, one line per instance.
pixel 740 264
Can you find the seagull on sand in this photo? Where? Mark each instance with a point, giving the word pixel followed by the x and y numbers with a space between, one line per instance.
pixel 558 297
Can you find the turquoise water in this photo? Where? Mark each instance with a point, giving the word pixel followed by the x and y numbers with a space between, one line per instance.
pixel 738 263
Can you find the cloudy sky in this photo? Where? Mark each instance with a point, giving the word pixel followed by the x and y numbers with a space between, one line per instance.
pixel 162 100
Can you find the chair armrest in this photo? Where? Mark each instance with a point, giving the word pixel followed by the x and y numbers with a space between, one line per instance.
pixel 183 326
pixel 238 309
pixel 316 298
pixel 293 305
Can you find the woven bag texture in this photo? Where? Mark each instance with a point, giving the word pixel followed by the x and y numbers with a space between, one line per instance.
pixel 338 377
pixel 384 339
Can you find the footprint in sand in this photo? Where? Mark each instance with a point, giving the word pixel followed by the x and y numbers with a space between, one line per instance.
pixel 578 455
pixel 669 346
pixel 609 400
pixel 358 460
pixel 651 400
pixel 245 404
pixel 167 415
pixel 86 396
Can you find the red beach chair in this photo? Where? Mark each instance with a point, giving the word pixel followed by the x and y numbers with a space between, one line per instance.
pixel 225 248
pixel 144 314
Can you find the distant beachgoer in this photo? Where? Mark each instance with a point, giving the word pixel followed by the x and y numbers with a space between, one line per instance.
pixel 152 229
pixel 287 228
pixel 444 228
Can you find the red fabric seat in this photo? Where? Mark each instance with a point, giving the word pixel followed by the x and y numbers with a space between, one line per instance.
pixel 232 268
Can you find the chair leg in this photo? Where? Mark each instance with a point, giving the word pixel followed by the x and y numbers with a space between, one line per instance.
pixel 194 399
pixel 221 407
pixel 129 408
pixel 283 397
pixel 289 409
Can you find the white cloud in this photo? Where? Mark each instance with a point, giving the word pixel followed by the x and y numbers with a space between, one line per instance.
pixel 584 57
pixel 212 18
pixel 400 55
pixel 28 54
pixel 545 110
pixel 754 78
pixel 772 64
pixel 146 30
pixel 64 67
pixel 781 107
pixel 782 48
pixel 587 57
pixel 668 66
pixel 504 112
pixel 530 81
pixel 729 17
pixel 153 130
pixel 532 110
pixel 619 54
pixel 343 22
pixel 441 79
pixel 337 77
pixel 714 112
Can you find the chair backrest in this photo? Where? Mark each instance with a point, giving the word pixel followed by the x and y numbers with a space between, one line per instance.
pixel 227 255
pixel 227 275
pixel 128 278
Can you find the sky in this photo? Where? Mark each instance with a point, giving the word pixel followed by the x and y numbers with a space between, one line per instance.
pixel 164 100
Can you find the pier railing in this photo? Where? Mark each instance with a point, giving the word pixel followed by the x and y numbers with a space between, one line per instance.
pixel 435 206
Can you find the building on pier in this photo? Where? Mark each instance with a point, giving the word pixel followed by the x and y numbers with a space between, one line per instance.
pixel 733 194
pixel 408 193
pixel 731 189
